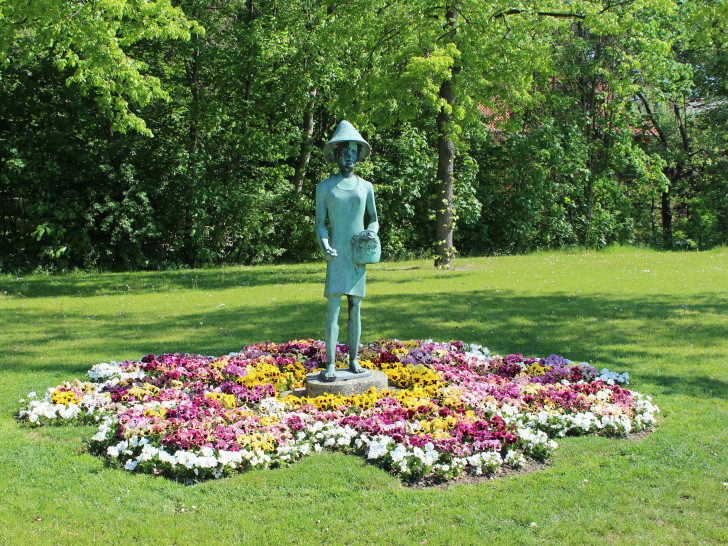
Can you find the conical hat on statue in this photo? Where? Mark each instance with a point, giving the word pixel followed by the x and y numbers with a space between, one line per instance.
pixel 345 132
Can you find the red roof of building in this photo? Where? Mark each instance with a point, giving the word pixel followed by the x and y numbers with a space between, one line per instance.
pixel 495 118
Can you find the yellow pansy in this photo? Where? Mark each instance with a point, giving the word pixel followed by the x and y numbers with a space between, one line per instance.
pixel 368 364
pixel 140 392
pixel 220 363
pixel 263 441
pixel 537 370
pixel 159 411
pixel 440 435
pixel 226 400
pixel 65 398
pixel 532 388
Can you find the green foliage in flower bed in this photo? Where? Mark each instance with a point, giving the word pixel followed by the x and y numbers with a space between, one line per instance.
pixel 662 318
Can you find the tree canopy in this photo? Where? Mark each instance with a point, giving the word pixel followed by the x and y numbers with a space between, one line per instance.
pixel 89 40
pixel 156 134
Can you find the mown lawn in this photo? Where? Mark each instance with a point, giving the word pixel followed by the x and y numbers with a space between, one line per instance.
pixel 662 317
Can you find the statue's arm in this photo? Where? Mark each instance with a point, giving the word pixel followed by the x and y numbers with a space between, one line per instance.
pixel 372 211
pixel 321 231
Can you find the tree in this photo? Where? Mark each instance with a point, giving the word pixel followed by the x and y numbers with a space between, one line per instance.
pixel 230 172
pixel 444 61
pixel 576 171
pixel 92 39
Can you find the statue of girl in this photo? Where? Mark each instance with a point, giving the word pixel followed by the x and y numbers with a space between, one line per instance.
pixel 344 199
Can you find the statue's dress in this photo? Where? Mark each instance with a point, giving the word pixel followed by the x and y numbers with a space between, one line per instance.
pixel 345 211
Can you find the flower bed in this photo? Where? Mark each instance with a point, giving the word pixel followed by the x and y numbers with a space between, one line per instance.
pixel 451 408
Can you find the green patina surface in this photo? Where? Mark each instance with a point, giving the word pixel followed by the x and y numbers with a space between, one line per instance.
pixel 344 200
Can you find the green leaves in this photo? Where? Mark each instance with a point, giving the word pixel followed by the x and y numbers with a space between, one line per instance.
pixel 90 40
pixel 539 105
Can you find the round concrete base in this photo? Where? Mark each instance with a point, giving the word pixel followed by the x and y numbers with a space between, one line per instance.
pixel 346 383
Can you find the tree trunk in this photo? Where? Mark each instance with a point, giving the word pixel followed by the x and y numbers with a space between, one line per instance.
pixel 666 211
pixel 673 174
pixel 444 255
pixel 652 221
pixel 305 155
pixel 444 251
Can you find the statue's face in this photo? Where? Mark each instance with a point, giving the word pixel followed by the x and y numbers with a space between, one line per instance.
pixel 348 156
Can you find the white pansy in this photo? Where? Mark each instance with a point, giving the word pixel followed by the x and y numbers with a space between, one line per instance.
pixel 604 395
pixel 399 453
pixel 514 458
pixel 610 378
pixel 165 457
pixel 378 447
pixel 271 406
pixel 112 373
pixel 477 350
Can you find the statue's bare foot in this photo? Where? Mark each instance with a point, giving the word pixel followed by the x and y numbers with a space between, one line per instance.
pixel 329 374
pixel 355 367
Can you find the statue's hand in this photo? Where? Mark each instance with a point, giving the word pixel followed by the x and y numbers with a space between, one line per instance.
pixel 329 253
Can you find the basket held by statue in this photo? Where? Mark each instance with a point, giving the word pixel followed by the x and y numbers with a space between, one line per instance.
pixel 367 247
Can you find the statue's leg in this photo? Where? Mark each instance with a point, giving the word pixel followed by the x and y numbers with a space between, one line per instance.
pixel 332 336
pixel 354 331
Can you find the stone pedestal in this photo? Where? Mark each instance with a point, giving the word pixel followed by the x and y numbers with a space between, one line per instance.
pixel 346 383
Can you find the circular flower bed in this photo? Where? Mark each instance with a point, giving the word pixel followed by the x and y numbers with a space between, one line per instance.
pixel 451 408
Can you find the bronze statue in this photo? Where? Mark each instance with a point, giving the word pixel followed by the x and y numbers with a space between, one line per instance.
pixel 344 199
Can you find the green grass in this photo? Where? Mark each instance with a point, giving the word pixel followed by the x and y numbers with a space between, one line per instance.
pixel 662 317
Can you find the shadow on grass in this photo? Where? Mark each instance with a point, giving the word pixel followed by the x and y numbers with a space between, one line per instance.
pixel 605 330
pixel 689 385
pixel 95 284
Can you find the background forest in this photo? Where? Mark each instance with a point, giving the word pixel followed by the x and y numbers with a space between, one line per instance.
pixel 138 134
